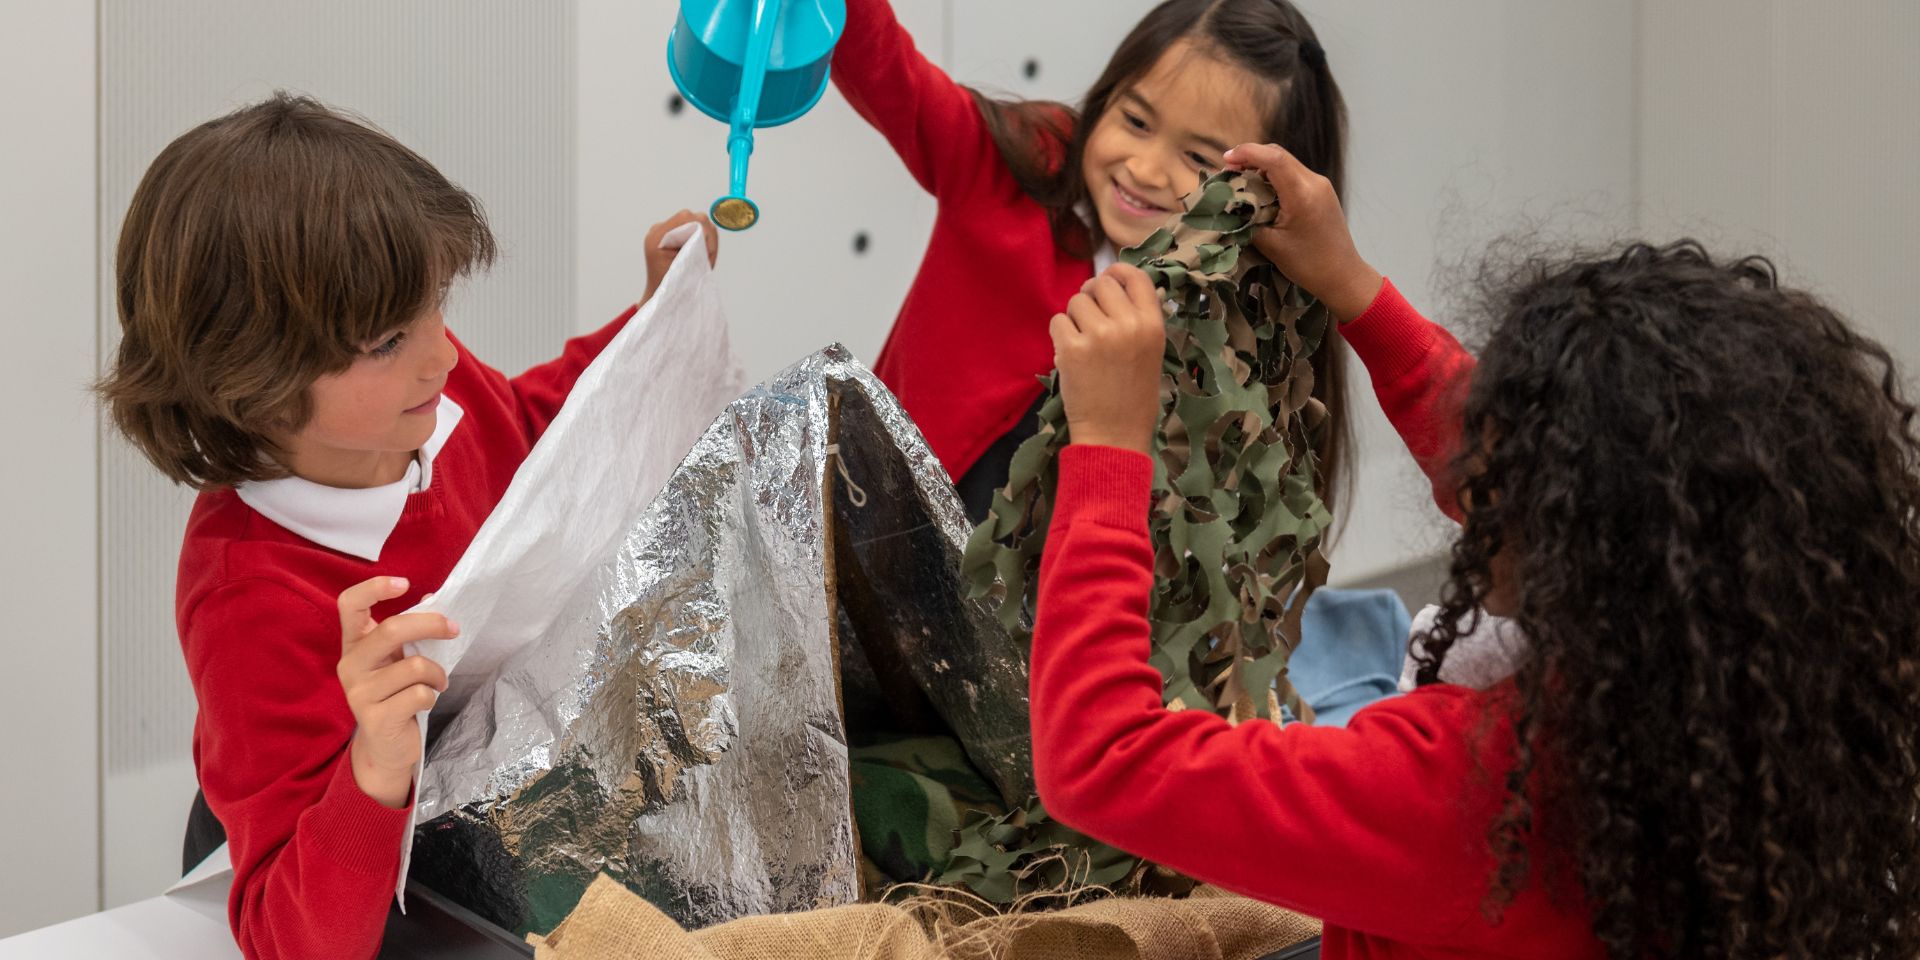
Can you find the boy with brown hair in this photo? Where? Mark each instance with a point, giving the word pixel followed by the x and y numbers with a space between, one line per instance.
pixel 280 281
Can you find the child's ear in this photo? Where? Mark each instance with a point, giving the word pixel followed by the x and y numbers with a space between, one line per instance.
pixel 280 426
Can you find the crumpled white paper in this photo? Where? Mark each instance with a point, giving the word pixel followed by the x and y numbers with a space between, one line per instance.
pixel 631 417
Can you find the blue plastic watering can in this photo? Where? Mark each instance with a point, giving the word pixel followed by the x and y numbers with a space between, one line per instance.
pixel 748 64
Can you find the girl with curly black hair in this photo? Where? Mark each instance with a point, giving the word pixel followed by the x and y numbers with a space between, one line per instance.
pixel 1695 493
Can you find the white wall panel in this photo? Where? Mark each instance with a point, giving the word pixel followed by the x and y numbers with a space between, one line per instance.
pixel 1469 121
pixel 1045 50
pixel 49 689
pixel 482 89
pixel 1791 128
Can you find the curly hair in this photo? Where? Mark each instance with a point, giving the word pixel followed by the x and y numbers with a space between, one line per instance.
pixel 1702 489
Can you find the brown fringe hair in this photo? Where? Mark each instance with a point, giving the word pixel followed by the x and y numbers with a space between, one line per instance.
pixel 262 251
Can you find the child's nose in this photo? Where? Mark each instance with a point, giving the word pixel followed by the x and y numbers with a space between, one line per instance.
pixel 1148 171
pixel 444 358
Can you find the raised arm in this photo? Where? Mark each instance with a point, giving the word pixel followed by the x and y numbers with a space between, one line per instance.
pixel 931 121
pixel 1419 371
pixel 1421 374
pixel 1364 827
pixel 540 392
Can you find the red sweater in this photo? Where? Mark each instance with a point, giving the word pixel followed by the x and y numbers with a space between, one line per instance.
pixel 971 339
pixel 1379 828
pixel 315 858
pixel 1420 375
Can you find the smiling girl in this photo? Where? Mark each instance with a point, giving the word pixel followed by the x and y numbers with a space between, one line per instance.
pixel 1035 198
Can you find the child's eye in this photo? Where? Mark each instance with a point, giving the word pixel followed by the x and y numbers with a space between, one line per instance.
pixel 387 347
pixel 1203 162
pixel 1133 121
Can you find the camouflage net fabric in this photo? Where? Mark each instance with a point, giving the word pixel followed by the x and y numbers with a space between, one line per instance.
pixel 1236 521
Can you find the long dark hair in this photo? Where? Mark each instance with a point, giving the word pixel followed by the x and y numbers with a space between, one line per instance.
pixel 1043 143
pixel 1709 487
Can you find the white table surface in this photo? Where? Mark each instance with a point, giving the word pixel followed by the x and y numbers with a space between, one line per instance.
pixel 188 922
pixel 179 926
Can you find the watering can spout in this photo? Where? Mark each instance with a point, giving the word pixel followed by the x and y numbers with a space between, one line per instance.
pixel 752 64
pixel 734 211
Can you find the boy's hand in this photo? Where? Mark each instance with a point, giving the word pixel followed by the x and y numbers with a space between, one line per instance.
pixel 1310 242
pixel 1108 347
pixel 659 257
pixel 384 689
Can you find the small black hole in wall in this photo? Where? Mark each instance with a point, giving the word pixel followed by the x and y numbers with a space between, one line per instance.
pixel 675 104
pixel 1031 68
pixel 861 242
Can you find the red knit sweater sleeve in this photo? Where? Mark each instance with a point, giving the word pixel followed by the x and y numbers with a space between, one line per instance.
pixel 1421 374
pixel 1364 827
pixel 314 858
pixel 931 121
pixel 540 392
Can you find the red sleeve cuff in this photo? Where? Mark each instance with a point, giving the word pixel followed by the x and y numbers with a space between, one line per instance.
pixel 1107 485
pixel 354 830
pixel 1390 336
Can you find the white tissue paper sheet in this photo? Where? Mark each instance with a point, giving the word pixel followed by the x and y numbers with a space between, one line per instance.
pixel 631 417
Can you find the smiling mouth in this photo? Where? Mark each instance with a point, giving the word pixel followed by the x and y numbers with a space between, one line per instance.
pixel 423 408
pixel 1135 204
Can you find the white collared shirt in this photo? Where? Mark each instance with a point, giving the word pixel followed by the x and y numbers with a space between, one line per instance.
pixel 356 522
pixel 1487 655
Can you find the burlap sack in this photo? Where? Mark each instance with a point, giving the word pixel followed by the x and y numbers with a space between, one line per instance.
pixel 611 923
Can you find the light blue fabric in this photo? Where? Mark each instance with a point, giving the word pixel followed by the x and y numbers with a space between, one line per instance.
pixel 1352 645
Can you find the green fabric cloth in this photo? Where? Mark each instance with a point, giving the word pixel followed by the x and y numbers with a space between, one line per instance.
pixel 909 796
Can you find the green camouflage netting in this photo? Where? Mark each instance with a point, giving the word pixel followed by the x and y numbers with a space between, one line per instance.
pixel 1236 521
